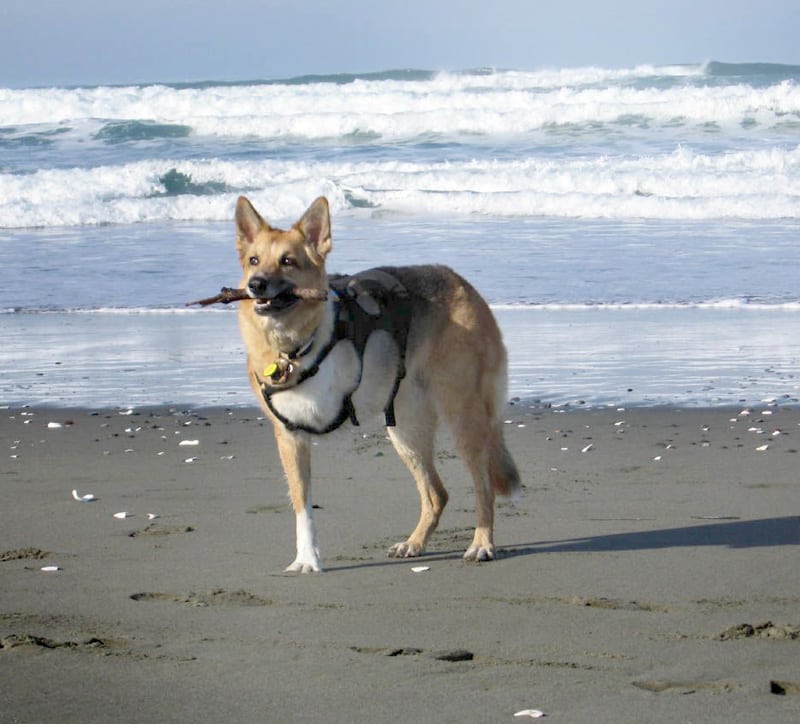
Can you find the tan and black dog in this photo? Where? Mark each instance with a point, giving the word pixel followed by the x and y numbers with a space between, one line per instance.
pixel 412 344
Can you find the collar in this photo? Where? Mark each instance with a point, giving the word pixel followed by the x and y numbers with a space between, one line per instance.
pixel 303 349
pixel 277 374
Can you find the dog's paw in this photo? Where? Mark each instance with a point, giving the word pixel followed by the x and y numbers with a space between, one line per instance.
pixel 304 566
pixel 479 553
pixel 405 549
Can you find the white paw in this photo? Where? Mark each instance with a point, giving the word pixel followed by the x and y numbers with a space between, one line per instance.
pixel 479 553
pixel 307 559
pixel 305 565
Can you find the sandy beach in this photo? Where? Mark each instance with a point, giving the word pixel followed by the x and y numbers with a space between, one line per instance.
pixel 648 574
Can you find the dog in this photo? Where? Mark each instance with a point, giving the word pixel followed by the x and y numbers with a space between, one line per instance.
pixel 413 343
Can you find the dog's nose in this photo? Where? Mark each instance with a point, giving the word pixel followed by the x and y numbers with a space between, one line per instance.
pixel 257 287
pixel 267 287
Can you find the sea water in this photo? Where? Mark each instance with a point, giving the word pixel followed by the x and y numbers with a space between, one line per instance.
pixel 635 230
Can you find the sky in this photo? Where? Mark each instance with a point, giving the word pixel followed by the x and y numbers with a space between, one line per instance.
pixel 92 42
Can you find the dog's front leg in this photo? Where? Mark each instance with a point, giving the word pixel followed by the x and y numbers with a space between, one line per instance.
pixel 295 453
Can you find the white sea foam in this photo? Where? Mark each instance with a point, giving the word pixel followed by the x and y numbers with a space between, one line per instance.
pixel 648 142
pixel 498 103
pixel 680 184
pixel 722 305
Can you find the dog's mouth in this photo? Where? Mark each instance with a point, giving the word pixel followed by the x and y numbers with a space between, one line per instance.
pixel 272 296
pixel 273 305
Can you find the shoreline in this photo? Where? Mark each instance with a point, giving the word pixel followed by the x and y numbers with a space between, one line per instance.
pixel 647 573
pixel 641 357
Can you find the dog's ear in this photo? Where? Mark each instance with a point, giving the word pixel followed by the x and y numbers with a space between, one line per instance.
pixel 315 225
pixel 248 222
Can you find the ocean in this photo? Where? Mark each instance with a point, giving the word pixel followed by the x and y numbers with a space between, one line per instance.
pixel 636 231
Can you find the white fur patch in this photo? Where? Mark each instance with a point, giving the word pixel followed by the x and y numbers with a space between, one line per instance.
pixel 317 401
pixel 307 560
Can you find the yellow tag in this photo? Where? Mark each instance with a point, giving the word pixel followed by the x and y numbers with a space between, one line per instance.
pixel 271 370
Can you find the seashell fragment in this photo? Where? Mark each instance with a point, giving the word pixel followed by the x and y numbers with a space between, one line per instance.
pixel 87 498
pixel 190 460
pixel 54 425
pixel 186 443
pixel 420 569
pixel 587 448
pixel 532 713
pixel 761 448
pixel 49 569
pixel 152 516
pixel 123 514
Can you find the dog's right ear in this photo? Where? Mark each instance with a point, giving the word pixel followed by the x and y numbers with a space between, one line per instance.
pixel 248 223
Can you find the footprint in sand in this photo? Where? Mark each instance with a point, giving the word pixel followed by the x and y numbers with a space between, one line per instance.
pixel 219 597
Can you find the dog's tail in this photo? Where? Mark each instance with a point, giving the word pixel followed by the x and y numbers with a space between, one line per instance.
pixel 503 473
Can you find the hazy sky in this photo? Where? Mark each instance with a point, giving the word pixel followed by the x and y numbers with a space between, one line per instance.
pixel 45 42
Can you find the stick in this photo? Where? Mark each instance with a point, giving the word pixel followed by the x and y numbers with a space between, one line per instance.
pixel 228 294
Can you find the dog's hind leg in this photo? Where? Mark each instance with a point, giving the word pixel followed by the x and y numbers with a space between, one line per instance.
pixel 413 438
pixel 471 437
pixel 478 437
pixel 295 454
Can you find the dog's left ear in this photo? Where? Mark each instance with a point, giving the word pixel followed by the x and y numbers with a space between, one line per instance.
pixel 315 225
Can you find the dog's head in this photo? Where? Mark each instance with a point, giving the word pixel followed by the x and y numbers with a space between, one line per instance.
pixel 276 262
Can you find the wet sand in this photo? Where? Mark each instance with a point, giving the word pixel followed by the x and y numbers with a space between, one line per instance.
pixel 649 573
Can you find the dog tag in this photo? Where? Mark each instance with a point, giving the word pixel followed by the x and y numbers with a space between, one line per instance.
pixel 279 370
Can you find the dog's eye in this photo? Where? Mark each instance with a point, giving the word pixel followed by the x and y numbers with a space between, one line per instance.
pixel 254 260
pixel 287 260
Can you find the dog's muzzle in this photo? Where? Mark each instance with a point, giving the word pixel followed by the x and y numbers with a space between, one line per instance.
pixel 271 294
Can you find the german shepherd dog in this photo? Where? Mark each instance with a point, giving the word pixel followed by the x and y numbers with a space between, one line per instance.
pixel 414 343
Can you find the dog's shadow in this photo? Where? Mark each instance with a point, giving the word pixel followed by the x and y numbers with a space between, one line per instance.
pixel 761 533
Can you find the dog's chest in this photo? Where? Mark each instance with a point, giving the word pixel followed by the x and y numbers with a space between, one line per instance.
pixel 343 379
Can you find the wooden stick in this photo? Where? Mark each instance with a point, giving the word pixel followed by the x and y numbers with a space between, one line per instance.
pixel 229 294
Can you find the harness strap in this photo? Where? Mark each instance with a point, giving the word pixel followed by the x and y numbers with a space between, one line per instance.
pixel 372 300
pixel 369 301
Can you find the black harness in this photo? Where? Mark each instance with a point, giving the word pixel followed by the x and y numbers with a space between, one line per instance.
pixel 369 301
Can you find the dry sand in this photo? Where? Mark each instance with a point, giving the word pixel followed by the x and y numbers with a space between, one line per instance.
pixel 649 574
